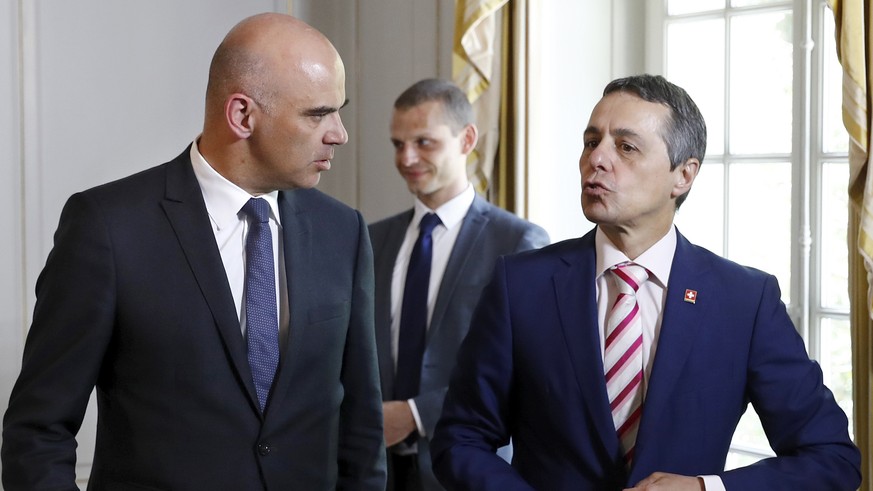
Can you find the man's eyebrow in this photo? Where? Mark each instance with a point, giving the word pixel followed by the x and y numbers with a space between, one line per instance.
pixel 324 110
pixel 626 132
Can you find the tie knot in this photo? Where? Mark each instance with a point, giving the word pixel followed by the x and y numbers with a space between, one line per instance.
pixel 630 276
pixel 428 223
pixel 258 209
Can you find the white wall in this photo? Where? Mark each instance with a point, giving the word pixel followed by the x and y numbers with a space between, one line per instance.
pixel 577 47
pixel 94 90
pixel 386 45
pixel 12 303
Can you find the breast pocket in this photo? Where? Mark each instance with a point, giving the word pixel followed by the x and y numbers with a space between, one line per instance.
pixel 326 313
pixel 321 342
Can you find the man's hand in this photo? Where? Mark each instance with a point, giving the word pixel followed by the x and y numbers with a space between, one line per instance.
pixel 399 422
pixel 660 481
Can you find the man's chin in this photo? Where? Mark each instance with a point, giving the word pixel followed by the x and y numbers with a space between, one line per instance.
pixel 308 183
pixel 417 189
pixel 594 212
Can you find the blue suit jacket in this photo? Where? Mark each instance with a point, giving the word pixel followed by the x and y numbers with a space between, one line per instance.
pixel 531 369
pixel 134 300
pixel 486 233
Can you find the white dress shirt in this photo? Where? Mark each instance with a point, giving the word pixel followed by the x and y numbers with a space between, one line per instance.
pixel 224 200
pixel 651 297
pixel 444 235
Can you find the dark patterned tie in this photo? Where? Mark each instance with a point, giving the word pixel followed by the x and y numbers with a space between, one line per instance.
pixel 413 314
pixel 262 324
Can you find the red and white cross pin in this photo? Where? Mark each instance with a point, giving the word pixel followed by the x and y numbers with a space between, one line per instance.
pixel 691 296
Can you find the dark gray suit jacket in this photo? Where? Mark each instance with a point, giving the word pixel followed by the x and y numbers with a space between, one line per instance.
pixel 487 232
pixel 134 300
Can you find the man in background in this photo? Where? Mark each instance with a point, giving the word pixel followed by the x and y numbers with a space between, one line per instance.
pixel 625 358
pixel 432 262
pixel 221 307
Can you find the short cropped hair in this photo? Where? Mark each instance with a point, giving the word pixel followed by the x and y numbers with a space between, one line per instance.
pixel 458 110
pixel 685 133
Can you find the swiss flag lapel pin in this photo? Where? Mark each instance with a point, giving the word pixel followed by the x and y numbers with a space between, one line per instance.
pixel 691 296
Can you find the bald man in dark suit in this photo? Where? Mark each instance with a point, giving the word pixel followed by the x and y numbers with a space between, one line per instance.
pixel 146 296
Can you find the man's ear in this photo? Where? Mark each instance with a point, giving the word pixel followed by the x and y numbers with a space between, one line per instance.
pixel 238 109
pixel 685 174
pixel 470 136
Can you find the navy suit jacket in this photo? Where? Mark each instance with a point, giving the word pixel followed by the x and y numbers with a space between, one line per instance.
pixel 134 300
pixel 531 368
pixel 486 233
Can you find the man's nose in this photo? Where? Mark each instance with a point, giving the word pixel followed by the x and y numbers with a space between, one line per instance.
pixel 407 155
pixel 337 134
pixel 598 156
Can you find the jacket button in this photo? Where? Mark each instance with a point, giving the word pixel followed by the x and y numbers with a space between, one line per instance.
pixel 263 449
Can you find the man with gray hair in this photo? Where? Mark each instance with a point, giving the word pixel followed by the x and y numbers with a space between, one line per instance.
pixel 561 353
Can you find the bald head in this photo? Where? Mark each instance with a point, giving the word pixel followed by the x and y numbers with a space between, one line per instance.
pixel 272 119
pixel 258 49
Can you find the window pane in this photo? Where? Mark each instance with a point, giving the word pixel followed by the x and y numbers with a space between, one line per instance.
pixel 747 3
pixel 701 217
pixel 760 83
pixel 836 362
pixel 676 7
pixel 834 135
pixel 759 226
pixel 749 444
pixel 834 247
pixel 695 62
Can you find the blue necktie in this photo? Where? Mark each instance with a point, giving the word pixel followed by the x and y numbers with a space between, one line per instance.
pixel 413 314
pixel 262 324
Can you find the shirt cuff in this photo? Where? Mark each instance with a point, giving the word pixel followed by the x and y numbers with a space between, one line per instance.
pixel 712 483
pixel 417 419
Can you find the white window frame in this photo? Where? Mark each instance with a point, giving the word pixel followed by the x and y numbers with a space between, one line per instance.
pixel 807 157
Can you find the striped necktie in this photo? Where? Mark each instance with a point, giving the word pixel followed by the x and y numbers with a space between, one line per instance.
pixel 623 356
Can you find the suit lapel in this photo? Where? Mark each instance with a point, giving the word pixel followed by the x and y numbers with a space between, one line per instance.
pixel 296 237
pixel 464 250
pixel 577 305
pixel 186 211
pixel 385 253
pixel 680 326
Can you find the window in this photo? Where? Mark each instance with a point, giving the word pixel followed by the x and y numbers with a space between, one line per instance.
pixel 772 192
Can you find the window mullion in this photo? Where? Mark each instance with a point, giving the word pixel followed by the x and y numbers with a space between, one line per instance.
pixel 801 249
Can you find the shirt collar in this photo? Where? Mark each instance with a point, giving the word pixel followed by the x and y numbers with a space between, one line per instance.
pixel 223 198
pixel 452 212
pixel 658 259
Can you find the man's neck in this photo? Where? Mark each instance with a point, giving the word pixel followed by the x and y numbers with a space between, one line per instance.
pixel 635 241
pixel 443 196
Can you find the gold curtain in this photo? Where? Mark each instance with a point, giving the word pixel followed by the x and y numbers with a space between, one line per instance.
pixel 855 51
pixel 502 191
pixel 481 66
